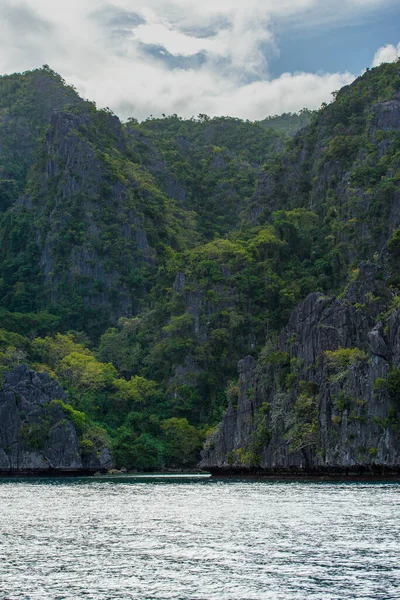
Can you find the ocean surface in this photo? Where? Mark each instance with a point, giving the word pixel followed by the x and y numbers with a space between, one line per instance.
pixel 198 539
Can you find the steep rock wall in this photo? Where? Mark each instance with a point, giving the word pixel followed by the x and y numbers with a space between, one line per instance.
pixel 36 435
pixel 319 402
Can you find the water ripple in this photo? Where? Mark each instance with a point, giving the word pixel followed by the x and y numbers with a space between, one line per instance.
pixel 194 539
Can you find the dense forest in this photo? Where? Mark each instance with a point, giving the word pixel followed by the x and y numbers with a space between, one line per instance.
pixel 141 261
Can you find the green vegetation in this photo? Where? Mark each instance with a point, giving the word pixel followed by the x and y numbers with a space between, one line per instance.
pixel 343 358
pixel 390 385
pixel 304 427
pixel 289 123
pixel 26 105
pixel 141 261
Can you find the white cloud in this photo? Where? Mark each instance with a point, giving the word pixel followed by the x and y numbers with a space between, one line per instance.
pixel 213 59
pixel 289 92
pixel 388 53
pixel 175 42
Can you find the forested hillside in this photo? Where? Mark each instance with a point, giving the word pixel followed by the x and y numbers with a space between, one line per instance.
pixel 289 123
pixel 141 261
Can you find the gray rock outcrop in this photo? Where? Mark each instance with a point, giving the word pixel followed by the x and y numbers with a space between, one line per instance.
pixel 36 435
pixel 319 401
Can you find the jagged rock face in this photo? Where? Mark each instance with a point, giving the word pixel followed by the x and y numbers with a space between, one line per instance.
pixel 21 129
pixel 314 404
pixel 317 174
pixel 36 435
pixel 72 184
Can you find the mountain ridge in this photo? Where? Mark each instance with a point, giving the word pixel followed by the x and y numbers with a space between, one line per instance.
pixel 141 261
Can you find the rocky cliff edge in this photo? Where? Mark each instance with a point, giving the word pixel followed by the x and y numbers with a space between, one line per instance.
pixel 36 434
pixel 325 399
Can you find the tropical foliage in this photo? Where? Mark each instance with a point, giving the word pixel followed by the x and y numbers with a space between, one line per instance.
pixel 141 261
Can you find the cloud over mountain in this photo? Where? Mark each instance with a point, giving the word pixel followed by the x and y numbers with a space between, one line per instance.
pixel 171 56
pixel 388 53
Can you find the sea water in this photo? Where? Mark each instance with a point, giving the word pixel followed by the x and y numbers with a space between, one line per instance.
pixel 195 538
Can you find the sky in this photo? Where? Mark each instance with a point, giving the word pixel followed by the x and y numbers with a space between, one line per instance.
pixel 243 58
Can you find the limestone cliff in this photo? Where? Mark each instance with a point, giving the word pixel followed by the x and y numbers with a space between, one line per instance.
pixel 150 257
pixel 323 400
pixel 325 396
pixel 36 435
